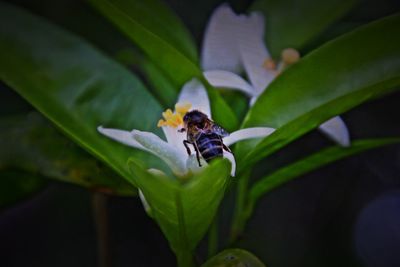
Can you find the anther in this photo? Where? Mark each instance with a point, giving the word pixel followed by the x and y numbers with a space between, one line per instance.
pixel 290 56
pixel 269 64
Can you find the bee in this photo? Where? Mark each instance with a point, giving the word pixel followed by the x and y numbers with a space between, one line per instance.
pixel 204 135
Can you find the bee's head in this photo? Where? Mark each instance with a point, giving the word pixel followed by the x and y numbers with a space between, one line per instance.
pixel 195 118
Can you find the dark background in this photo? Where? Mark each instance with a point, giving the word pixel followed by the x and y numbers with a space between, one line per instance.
pixel 345 214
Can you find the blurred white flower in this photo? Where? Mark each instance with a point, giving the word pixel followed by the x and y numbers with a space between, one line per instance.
pixel 235 43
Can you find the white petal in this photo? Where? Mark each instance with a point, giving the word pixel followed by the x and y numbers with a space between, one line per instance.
pixel 231 158
pixel 254 52
pixel 157 172
pixel 171 155
pixel 195 93
pixel 253 100
pixel 336 130
pixel 193 165
pixel 220 50
pixel 226 79
pixel 124 137
pixel 247 133
pixel 145 204
pixel 175 138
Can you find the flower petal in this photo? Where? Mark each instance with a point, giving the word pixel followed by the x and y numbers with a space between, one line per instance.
pixel 253 100
pixel 122 136
pixel 226 79
pixel 171 155
pixel 145 204
pixel 254 52
pixel 220 50
pixel 157 172
pixel 231 158
pixel 193 165
pixel 175 138
pixel 194 92
pixel 247 133
pixel 336 130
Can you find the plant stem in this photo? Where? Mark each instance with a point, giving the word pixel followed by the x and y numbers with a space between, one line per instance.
pixel 185 258
pixel 100 216
pixel 184 254
pixel 240 215
pixel 213 238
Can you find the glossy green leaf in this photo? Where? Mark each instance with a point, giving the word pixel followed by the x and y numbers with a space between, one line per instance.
pixel 152 26
pixel 158 32
pixel 165 90
pixel 156 80
pixel 340 75
pixel 74 85
pixel 234 258
pixel 221 112
pixel 183 209
pixel 30 144
pixel 16 186
pixel 310 163
pixel 293 23
pixel 159 83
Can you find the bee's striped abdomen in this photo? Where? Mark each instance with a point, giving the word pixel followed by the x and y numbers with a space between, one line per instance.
pixel 209 145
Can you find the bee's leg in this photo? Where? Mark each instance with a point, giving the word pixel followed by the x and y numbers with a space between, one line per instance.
pixel 185 143
pixel 225 147
pixel 197 153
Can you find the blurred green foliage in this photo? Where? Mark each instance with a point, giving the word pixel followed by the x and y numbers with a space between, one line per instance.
pixel 32 146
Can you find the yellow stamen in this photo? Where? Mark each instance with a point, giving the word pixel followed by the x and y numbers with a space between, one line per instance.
pixel 182 108
pixel 174 119
pixel 290 56
pixel 161 123
pixel 269 64
pixel 167 114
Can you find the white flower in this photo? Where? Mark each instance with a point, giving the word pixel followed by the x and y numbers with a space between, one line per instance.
pixel 172 151
pixel 235 43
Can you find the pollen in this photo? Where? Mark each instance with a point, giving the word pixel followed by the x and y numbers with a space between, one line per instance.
pixel 174 119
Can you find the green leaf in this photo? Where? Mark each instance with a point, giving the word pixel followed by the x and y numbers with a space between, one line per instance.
pixel 30 144
pixel 74 85
pixel 152 26
pixel 16 186
pixel 340 75
pixel 293 23
pixel 183 209
pixel 310 163
pixel 158 32
pixel 159 83
pixel 221 112
pixel 234 258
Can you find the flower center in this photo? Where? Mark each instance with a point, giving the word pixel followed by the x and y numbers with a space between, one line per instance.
pixel 174 119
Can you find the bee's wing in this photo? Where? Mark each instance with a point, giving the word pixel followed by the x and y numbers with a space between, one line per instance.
pixel 219 130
